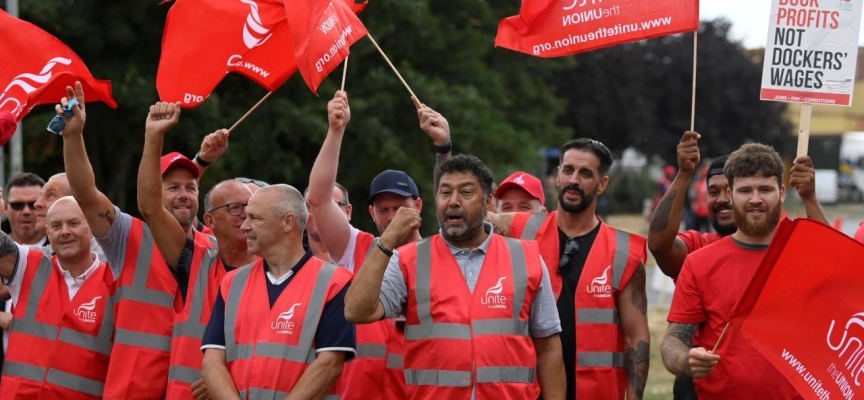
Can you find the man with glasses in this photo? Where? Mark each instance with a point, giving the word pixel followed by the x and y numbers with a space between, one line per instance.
pixel 599 282
pixel 22 191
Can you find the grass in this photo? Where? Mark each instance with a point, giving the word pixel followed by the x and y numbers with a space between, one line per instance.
pixel 659 385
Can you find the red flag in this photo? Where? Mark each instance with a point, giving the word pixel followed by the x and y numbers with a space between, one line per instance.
pixel 251 38
pixel 803 310
pixel 322 31
pixel 554 28
pixel 36 68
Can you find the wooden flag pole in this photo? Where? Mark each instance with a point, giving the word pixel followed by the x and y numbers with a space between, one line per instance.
pixel 344 73
pixel 720 339
pixel 693 94
pixel 804 129
pixel 249 112
pixel 391 65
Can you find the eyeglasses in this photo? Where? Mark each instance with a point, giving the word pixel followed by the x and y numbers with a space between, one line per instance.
pixel 571 247
pixel 19 205
pixel 254 181
pixel 234 209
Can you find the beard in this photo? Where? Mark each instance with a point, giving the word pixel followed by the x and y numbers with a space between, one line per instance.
pixel 471 225
pixel 757 229
pixel 585 200
pixel 723 230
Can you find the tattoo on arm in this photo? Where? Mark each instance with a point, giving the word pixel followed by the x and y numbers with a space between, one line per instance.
pixel 683 332
pixel 107 215
pixel 637 290
pixel 670 350
pixel 7 246
pixel 660 217
pixel 636 363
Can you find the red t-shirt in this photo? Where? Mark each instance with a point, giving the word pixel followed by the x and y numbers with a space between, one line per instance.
pixel 710 283
pixel 696 240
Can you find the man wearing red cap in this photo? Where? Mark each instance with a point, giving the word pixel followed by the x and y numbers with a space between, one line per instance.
pixel 521 192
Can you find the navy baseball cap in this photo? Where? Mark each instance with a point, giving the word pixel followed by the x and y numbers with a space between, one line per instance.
pixel 393 181
pixel 716 167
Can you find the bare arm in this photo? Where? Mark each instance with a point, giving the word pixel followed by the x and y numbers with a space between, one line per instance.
pixel 320 377
pixel 632 307
pixel 333 227
pixel 550 367
pixel 501 222
pixel 676 348
pixel 216 376
pixel 803 178
pixel 98 210
pixel 8 256
pixel 167 233
pixel 663 241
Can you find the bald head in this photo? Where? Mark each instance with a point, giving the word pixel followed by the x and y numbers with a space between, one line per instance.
pixel 56 187
pixel 68 231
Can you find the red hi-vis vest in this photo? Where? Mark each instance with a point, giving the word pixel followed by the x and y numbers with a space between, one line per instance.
pixel 380 349
pixel 267 350
pixel 205 274
pixel 455 338
pixel 612 260
pixel 59 349
pixel 147 298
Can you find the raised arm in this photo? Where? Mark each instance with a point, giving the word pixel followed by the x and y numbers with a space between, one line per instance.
pixel 438 129
pixel 98 210
pixel 663 241
pixel 212 147
pixel 332 223
pixel 167 233
pixel 633 309
pixel 803 179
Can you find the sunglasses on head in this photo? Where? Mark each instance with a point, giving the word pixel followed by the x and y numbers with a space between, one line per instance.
pixel 571 247
pixel 254 181
pixel 19 205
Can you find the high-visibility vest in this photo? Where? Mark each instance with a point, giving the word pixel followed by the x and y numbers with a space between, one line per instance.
pixel 268 349
pixel 147 298
pixel 462 340
pixel 205 274
pixel 380 348
pixel 59 348
pixel 612 260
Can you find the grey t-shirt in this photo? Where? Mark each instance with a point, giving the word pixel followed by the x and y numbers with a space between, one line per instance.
pixel 114 243
pixel 543 320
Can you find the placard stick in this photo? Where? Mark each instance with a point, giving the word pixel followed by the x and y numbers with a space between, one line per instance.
pixel 693 94
pixel 804 129
pixel 391 65
pixel 720 339
pixel 250 111
pixel 344 73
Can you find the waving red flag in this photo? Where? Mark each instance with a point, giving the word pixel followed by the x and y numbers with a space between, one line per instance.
pixel 555 28
pixel 322 31
pixel 803 310
pixel 206 39
pixel 37 67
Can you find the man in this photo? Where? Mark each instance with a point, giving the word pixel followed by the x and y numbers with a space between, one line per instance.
pixel 520 192
pixel 380 345
pixel 64 312
pixel 598 277
pixel 670 247
pixel 148 285
pixel 484 346
pixel 22 191
pixel 714 278
pixel 199 267
pixel 313 238
pixel 288 306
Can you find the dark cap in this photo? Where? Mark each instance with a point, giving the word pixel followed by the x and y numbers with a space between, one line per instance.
pixel 716 167
pixel 393 181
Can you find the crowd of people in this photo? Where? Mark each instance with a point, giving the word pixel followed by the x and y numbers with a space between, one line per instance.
pixel 274 294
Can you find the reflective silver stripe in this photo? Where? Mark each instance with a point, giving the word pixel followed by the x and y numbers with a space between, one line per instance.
pixel 437 330
pixel 85 341
pixel 233 301
pixel 505 375
pixel 35 328
pixel 192 328
pixel 21 370
pixel 279 350
pixel 372 351
pixel 427 328
pixel 601 359
pixel 138 290
pixel 37 287
pixel 267 394
pixel 434 377
pixel 183 374
pixel 213 241
pixel 394 361
pixel 75 382
pixel 520 275
pixel 529 232
pixel 141 339
pixel 597 316
pixel 501 327
pixel 622 253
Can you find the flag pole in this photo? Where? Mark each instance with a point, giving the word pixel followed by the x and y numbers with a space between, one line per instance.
pixel 391 65
pixel 720 339
pixel 250 111
pixel 693 93
pixel 804 129
pixel 344 73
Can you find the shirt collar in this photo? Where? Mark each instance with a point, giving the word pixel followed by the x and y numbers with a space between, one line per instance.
pixel 87 273
pixel 294 270
pixel 487 226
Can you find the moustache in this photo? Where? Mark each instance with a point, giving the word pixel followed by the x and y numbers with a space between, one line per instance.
pixel 574 188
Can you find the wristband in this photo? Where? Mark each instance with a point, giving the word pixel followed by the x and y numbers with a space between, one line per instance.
pixel 444 148
pixel 380 245
pixel 201 161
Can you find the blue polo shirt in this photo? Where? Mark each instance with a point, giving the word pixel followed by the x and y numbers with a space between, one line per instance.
pixel 334 333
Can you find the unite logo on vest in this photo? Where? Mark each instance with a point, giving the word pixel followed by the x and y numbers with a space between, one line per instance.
pixel 599 286
pixel 494 298
pixel 283 324
pixel 85 311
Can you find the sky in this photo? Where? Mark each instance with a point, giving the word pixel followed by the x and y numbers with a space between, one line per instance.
pixel 749 19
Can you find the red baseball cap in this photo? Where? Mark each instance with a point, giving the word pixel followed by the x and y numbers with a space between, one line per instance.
pixel 524 181
pixel 176 159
